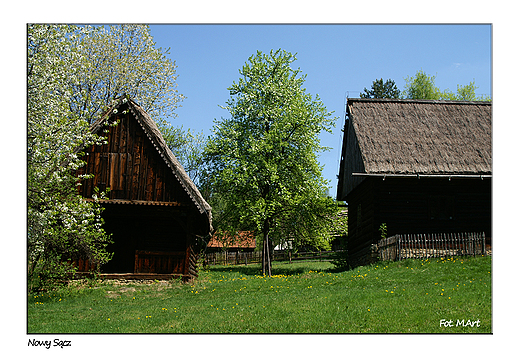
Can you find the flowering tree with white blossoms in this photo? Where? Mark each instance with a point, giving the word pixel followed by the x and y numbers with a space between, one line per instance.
pixel 60 224
pixel 73 73
pixel 122 59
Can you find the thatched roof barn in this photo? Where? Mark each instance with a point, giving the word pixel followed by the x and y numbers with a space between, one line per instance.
pixel 419 166
pixel 153 210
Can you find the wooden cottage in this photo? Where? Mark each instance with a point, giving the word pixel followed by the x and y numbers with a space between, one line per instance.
pixel 243 241
pixel 419 166
pixel 155 213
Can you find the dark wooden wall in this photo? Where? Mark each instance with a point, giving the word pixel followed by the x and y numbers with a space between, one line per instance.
pixel 130 166
pixel 351 162
pixel 142 228
pixel 417 206
pixel 361 220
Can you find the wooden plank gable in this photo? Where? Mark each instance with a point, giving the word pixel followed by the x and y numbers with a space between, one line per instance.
pixel 129 165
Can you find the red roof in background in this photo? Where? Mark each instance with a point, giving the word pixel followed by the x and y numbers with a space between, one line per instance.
pixel 243 240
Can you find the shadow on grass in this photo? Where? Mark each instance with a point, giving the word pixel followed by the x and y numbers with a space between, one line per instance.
pixel 337 269
pixel 250 270
pixel 279 268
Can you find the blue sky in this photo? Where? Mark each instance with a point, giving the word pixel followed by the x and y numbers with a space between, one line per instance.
pixel 339 61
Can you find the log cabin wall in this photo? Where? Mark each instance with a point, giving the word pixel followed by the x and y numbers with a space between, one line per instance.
pixel 142 228
pixel 361 222
pixel 431 205
pixel 417 206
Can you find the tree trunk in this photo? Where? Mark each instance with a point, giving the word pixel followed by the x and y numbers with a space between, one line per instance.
pixel 266 252
pixel 263 257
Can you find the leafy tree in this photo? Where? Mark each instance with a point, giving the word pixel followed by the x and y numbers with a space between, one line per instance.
pixel 340 229
pixel 263 166
pixel 188 148
pixel 422 86
pixel 388 89
pixel 465 93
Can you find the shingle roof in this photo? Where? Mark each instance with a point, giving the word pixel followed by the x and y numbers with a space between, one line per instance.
pixel 242 240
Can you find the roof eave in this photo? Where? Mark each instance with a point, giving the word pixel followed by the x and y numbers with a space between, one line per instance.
pixel 420 175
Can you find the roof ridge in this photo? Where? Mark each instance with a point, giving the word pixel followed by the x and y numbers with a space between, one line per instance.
pixel 409 100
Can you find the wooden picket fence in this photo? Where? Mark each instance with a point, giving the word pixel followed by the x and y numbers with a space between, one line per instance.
pixel 244 258
pixel 405 246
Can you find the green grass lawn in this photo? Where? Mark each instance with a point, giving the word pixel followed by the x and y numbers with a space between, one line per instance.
pixel 302 297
